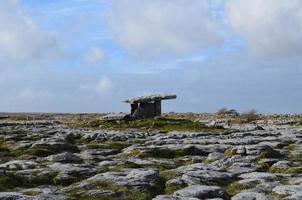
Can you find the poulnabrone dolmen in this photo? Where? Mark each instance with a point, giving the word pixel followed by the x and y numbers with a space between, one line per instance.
pixel 147 106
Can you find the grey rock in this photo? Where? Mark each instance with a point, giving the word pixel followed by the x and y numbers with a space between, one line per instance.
pixel 64 158
pixel 260 176
pixel 208 176
pixel 215 156
pixel 200 191
pixel 19 164
pixel 52 197
pixel 297 196
pixel 202 173
pixel 55 143
pixel 71 172
pixel 287 189
pixel 99 154
pixel 178 182
pixel 282 164
pixel 170 197
pixel 15 196
pixel 101 193
pixel 241 150
pixel 79 185
pixel 295 181
pixel 138 179
pixel 196 167
pixel 45 189
pixel 268 161
pixel 239 168
pixel 252 196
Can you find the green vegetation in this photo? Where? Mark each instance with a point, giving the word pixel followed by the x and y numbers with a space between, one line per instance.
pixel 40 152
pixel 172 188
pixel 264 166
pixel 163 165
pixel 160 124
pixel 229 152
pixel 269 153
pixel 278 196
pixel 66 182
pixel 168 174
pixel 4 151
pixel 165 153
pixel 32 193
pixel 8 149
pixel 10 181
pixel 292 147
pixel 288 170
pixel 295 123
pixel 236 188
pixel 125 165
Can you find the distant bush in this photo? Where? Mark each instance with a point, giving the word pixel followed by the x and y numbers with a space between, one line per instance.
pixel 250 116
pixel 224 111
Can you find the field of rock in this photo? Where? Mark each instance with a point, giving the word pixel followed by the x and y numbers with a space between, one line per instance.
pixel 204 157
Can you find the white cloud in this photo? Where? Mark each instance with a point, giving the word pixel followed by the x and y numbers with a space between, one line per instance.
pixel 163 26
pixel 21 38
pixel 102 86
pixel 94 56
pixel 270 27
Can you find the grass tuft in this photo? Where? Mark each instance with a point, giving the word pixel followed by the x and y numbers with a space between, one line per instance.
pixel 159 124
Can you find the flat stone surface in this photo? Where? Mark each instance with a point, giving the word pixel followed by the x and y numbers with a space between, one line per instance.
pixel 200 191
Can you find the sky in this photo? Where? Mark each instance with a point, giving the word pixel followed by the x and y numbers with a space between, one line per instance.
pixel 89 55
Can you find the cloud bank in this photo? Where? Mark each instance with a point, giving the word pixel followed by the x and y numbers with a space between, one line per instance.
pixel 270 27
pixel 173 27
pixel 101 87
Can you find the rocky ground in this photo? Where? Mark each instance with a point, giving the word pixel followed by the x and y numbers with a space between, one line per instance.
pixel 57 160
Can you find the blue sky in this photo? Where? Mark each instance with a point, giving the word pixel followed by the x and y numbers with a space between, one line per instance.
pixel 88 55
